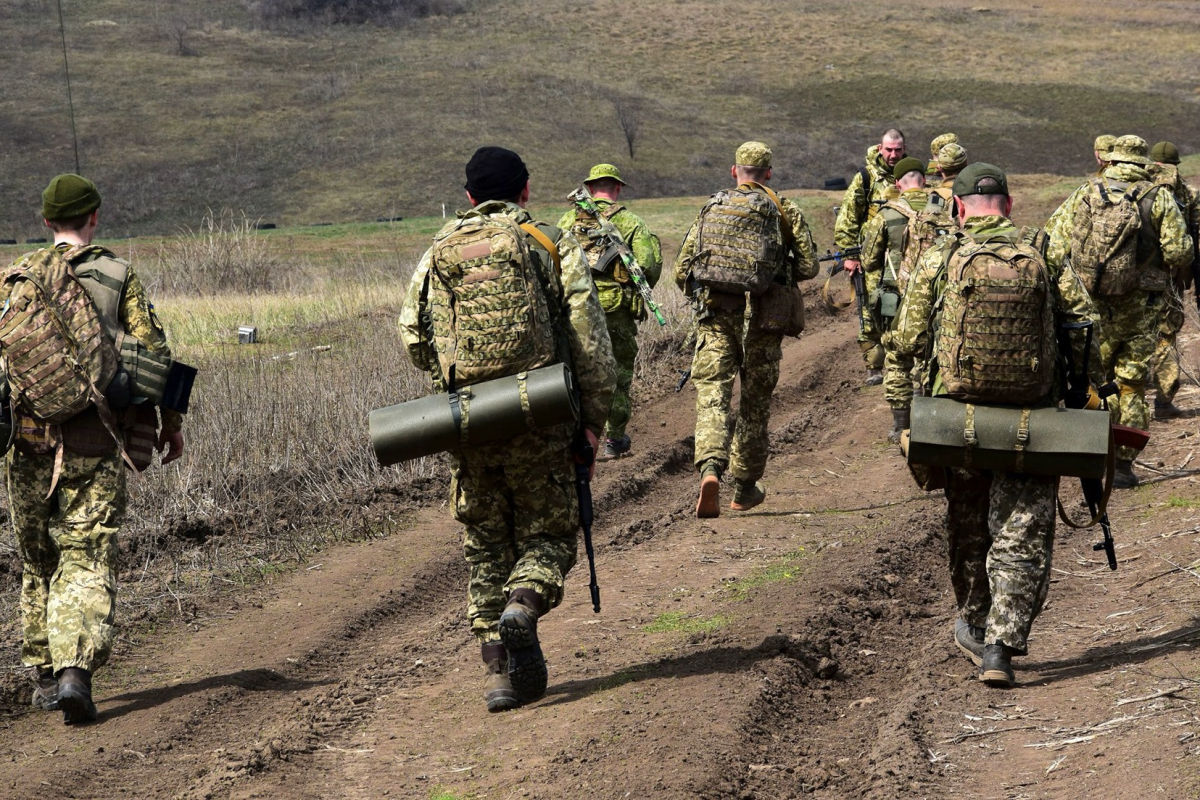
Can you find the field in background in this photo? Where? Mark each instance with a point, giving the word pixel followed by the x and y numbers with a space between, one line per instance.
pixel 191 105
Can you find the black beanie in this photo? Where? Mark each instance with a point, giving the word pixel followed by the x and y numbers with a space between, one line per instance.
pixel 495 173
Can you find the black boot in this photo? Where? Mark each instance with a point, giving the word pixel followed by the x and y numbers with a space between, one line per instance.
pixel 996 669
pixel 900 417
pixel 75 695
pixel 1123 475
pixel 518 631
pixel 969 639
pixel 497 688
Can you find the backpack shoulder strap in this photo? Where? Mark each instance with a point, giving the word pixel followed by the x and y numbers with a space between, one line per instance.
pixel 785 227
pixel 867 181
pixel 547 244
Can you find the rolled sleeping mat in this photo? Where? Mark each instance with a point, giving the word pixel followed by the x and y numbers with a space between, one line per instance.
pixel 485 413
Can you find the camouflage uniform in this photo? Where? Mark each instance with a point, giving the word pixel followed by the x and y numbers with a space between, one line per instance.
pixel 859 204
pixel 623 305
pixel 999 526
pixel 516 499
pixel 882 253
pixel 1164 363
pixel 1129 323
pixel 67 540
pixel 729 344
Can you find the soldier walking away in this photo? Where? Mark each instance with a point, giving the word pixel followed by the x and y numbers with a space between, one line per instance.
pixel 623 305
pixel 871 187
pixel 951 160
pixel 933 168
pixel 999 525
pixel 1164 364
pixel 498 294
pixel 1127 240
pixel 744 240
pixel 66 480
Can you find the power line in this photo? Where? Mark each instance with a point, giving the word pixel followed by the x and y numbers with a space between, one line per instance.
pixel 62 30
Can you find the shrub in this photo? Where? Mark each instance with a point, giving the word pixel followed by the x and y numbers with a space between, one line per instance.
pixel 378 12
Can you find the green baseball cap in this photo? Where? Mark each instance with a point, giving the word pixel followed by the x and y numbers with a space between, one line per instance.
pixel 603 171
pixel 1129 149
pixel 906 165
pixel 969 179
pixel 753 154
pixel 69 195
pixel 1164 153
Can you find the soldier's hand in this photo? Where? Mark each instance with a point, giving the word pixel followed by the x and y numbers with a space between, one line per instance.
pixel 595 443
pixel 852 265
pixel 170 445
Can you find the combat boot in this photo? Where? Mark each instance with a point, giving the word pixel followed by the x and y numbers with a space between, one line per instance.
pixel 1165 409
pixel 45 689
pixel 518 632
pixel 900 422
pixel 75 695
pixel 497 688
pixel 709 504
pixel 969 639
pixel 995 668
pixel 614 448
pixel 747 495
pixel 874 377
pixel 1123 475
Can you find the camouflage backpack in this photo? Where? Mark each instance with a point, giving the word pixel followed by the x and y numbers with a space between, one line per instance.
pixel 739 241
pixel 995 340
pixel 57 354
pixel 923 229
pixel 1104 240
pixel 489 309
pixel 600 259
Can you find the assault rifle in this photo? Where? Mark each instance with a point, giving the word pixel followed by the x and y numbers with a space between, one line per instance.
pixel 585 456
pixel 610 236
pixel 857 280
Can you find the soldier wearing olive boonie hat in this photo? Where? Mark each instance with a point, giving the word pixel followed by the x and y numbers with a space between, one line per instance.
pixel 69 195
pixel 604 172
pixel 1129 300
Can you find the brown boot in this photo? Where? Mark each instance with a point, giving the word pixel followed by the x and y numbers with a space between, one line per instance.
pixel 709 503
pixel 75 695
pixel 518 631
pixel 497 688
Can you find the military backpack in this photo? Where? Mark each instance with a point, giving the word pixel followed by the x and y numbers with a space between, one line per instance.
pixel 1107 230
pixel 995 340
pixel 601 257
pixel 739 241
pixel 488 296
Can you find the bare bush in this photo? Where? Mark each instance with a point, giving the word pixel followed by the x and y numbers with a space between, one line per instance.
pixel 379 12
pixel 629 117
pixel 225 254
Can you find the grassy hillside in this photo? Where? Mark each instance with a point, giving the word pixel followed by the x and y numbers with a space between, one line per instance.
pixel 188 105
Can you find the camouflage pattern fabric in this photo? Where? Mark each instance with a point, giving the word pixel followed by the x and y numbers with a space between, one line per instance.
pixel 517 499
pixel 859 200
pixel 68 548
pixel 1164 362
pixel 518 505
pixel 1000 537
pixel 622 332
pixel 644 244
pixel 1129 328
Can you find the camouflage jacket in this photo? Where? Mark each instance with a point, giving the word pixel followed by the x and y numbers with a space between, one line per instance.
pixel 916 321
pixel 883 235
pixel 585 332
pixel 1187 197
pixel 1175 245
pixel 645 246
pixel 858 200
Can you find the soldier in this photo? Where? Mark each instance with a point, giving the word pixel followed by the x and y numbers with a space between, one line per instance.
pixel 1164 364
pixel 951 159
pixel 66 482
pixel 932 169
pixel 1100 151
pixel 1127 271
pixel 738 231
pixel 999 525
pixel 516 499
pixel 623 305
pixel 892 243
pixel 871 187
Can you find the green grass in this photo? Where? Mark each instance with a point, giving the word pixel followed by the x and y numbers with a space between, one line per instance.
pixel 678 622
pixel 787 568
pixel 1175 501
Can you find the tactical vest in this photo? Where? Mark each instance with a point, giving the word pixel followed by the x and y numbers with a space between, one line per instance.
pixel 601 259
pixel 739 242
pixel 995 339
pixel 1114 242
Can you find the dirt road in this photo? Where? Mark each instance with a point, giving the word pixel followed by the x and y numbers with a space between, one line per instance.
pixel 801 649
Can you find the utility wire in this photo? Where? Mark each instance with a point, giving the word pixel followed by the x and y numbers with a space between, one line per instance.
pixel 62 31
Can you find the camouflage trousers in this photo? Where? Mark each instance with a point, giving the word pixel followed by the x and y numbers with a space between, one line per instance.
pixel 728 347
pixel 1000 537
pixel 521 513
pixel 871 327
pixel 1164 363
pixel 1128 335
pixel 897 378
pixel 68 548
pixel 622 331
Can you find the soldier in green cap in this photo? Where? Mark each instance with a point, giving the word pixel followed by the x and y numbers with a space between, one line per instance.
pixel 744 240
pixel 66 481
pixel 999 525
pixel 623 305
pixel 1164 363
pixel 1128 274
pixel 871 187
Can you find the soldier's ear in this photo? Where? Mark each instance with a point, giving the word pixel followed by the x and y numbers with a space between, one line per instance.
pixel 1008 206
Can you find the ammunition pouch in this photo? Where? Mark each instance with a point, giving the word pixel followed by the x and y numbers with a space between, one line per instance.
pixel 484 413
pixel 885 300
pixel 1039 441
pixel 146 370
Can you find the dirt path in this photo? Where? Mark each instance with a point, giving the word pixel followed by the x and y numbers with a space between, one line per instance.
pixel 802 649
